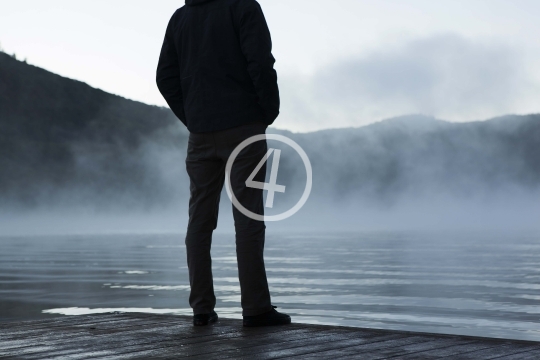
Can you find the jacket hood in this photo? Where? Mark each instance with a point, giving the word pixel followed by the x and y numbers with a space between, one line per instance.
pixel 196 2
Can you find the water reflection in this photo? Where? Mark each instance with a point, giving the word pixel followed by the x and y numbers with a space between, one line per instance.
pixel 462 284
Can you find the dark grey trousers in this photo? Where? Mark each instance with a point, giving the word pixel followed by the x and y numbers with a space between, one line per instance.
pixel 206 159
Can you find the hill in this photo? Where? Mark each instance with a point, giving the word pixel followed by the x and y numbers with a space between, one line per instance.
pixel 64 142
pixel 417 155
pixel 58 134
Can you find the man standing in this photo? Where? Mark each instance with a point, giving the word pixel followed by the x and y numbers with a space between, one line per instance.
pixel 216 73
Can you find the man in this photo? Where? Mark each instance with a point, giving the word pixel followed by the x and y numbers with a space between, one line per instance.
pixel 216 73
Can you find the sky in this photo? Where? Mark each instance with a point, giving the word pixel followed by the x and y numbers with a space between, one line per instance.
pixel 340 63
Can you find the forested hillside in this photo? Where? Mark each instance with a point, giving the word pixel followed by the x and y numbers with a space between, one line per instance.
pixel 60 134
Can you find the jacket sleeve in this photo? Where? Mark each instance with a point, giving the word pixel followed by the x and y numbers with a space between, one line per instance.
pixel 256 46
pixel 168 75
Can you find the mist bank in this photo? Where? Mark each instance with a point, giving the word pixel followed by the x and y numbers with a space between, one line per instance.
pixel 418 156
pixel 69 150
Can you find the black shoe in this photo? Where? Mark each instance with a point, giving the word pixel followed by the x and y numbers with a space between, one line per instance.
pixel 205 319
pixel 267 319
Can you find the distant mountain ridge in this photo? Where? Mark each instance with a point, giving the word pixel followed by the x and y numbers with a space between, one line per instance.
pixel 389 158
pixel 62 138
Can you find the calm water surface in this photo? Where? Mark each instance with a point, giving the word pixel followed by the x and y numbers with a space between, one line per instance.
pixel 473 284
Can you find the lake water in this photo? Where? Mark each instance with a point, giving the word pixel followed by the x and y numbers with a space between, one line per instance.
pixel 472 284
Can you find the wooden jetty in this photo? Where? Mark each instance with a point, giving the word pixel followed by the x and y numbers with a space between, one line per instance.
pixel 145 336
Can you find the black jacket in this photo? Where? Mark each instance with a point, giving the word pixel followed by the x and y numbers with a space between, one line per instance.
pixel 216 69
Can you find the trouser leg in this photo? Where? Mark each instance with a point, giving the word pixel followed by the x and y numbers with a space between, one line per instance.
pixel 250 234
pixel 206 175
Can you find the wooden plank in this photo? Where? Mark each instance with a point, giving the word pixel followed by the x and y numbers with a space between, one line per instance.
pixel 260 344
pixel 54 317
pixel 56 324
pixel 74 329
pixel 62 342
pixel 414 348
pixel 132 336
pixel 310 346
pixel 207 348
pixel 213 350
pixel 375 350
pixel 59 327
pixel 305 348
pixel 453 351
pixel 495 352
pixel 69 334
pixel 526 355
pixel 141 337
pixel 88 339
pixel 55 320
pixel 86 319
pixel 217 343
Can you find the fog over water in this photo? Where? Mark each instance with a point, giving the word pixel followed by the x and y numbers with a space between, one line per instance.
pixel 80 160
pixel 406 173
